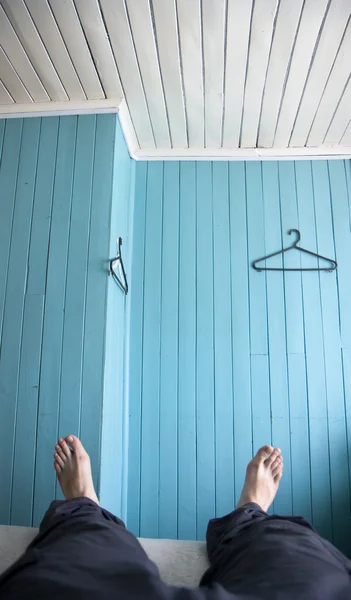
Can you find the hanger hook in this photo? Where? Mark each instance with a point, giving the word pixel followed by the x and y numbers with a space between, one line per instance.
pixel 298 236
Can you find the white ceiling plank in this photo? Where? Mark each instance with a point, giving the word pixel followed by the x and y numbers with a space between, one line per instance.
pixel 116 20
pixel 19 59
pixel 327 49
pixel 94 28
pixel 5 97
pixel 283 41
pixel 191 58
pixel 213 39
pixel 71 31
pixel 346 139
pixel 50 34
pixel 238 33
pixel 333 91
pixel 165 17
pixel 307 36
pixel 341 119
pixel 27 33
pixel 11 80
pixel 145 46
pixel 262 25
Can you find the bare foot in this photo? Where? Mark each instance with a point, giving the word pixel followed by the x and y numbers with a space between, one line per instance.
pixel 263 475
pixel 72 465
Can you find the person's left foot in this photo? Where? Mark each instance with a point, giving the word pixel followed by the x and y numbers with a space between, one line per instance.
pixel 72 465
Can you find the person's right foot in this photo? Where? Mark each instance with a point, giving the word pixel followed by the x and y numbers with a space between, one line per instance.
pixel 72 465
pixel 263 475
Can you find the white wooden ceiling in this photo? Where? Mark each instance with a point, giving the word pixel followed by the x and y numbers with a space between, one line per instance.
pixel 203 78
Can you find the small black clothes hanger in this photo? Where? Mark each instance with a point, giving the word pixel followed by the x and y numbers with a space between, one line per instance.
pixel 333 265
pixel 117 269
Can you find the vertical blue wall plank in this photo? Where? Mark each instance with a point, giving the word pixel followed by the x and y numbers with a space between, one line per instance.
pixel 76 279
pixel 280 408
pixel 206 458
pixel 240 324
pixel 2 135
pixel 341 218
pixel 187 425
pixel 260 384
pixel 261 421
pixel 257 249
pixel 14 307
pixel 96 291
pixel 136 348
pixel 299 437
pixel 41 222
pixel 8 182
pixel 27 408
pixel 292 281
pixel 223 374
pixel 26 425
pixel 168 492
pixel 150 434
pixel 295 345
pixel 336 329
pixel 50 376
pixel 317 402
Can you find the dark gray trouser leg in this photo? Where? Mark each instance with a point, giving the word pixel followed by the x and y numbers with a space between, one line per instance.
pixel 84 552
pixel 274 557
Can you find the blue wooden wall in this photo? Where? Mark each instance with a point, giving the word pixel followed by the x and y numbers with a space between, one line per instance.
pixel 224 359
pixel 57 203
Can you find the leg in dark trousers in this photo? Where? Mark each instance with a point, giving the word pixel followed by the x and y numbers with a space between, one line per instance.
pixel 83 551
pixel 272 557
pixel 268 557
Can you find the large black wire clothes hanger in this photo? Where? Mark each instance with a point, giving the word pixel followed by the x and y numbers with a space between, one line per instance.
pixel 332 267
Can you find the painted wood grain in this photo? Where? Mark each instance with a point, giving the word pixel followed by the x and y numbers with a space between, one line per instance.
pixel 25 29
pixel 46 26
pixel 125 54
pixel 189 25
pixel 12 329
pixel 19 59
pixel 262 357
pixel 94 30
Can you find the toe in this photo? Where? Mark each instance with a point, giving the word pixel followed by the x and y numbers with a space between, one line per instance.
pixel 64 447
pixel 61 453
pixel 270 460
pixel 278 476
pixel 57 468
pixel 264 452
pixel 277 469
pixel 277 461
pixel 59 460
pixel 75 444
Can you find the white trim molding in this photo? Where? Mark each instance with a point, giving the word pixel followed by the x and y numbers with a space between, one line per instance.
pixel 320 152
pixel 71 107
pixel 128 129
